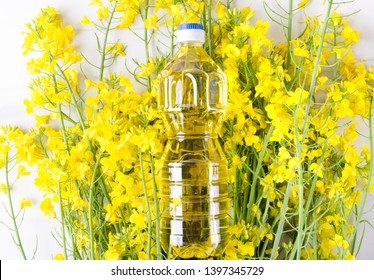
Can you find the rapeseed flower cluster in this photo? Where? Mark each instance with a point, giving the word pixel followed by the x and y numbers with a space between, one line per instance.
pixel 296 185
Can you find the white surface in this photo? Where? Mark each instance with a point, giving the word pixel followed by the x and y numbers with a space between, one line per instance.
pixel 187 269
pixel 14 89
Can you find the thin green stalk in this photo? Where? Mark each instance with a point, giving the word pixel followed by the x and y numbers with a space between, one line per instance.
pixel 83 126
pixel 72 96
pixel 209 28
pixel 300 185
pixel 236 197
pixel 316 67
pixel 157 210
pixel 61 115
pixel 62 213
pixel 63 129
pixel 283 213
pixel 103 51
pixel 371 172
pixel 299 142
pixel 315 239
pixel 12 214
pixel 289 32
pixel 63 219
pixel 146 45
pixel 90 208
pixel 149 224
pixel 304 211
pixel 263 219
pixel 172 34
pixel 251 195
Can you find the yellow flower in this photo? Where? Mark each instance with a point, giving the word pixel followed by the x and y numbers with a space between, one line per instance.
pixel 96 2
pixel 339 241
pixel 320 186
pixel 231 250
pixel 349 256
pixel 325 248
pixel 336 19
pixel 294 162
pixel 351 132
pixel 41 120
pixel 238 162
pixel 142 255
pixel 303 3
pixel 102 13
pixel 59 257
pixel 231 51
pixel 3 187
pixel 139 219
pixel 85 21
pixel 151 22
pixel 246 249
pixel 22 171
pixel 25 203
pixel 349 34
pixel 128 17
pixel 176 11
pixel 300 52
pixel 125 82
pixel 177 201
pixel 111 215
pixel 47 207
pixel 283 154
pixel 147 69
pixel 250 137
pixel 221 11
pixel 307 253
pixel 116 49
pixel 268 190
pixel 316 168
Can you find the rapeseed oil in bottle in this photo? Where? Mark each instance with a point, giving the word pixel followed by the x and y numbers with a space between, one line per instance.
pixel 194 191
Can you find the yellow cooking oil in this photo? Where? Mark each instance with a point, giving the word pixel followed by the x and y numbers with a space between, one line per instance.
pixel 194 189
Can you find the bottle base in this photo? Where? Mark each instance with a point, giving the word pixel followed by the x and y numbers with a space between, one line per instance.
pixel 193 252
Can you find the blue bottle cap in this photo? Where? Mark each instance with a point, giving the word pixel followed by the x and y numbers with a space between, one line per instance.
pixel 188 32
pixel 190 25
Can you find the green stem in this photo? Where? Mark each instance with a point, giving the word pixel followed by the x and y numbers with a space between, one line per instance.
pixel 62 213
pixel 91 207
pixel 209 27
pixel 72 96
pixel 149 224
pixel 63 129
pixel 253 187
pixel 236 197
pixel 172 33
pixel 283 213
pixel 300 172
pixel 315 70
pixel 157 209
pixel 315 238
pixel 289 32
pixel 103 51
pixel 12 215
pixel 299 142
pixel 146 44
pixel 371 172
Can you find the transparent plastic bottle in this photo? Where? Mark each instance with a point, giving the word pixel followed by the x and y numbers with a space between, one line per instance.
pixel 194 191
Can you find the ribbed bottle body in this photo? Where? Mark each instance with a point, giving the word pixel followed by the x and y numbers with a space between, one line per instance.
pixel 194 191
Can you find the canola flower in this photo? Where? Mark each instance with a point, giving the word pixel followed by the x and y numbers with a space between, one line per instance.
pixel 298 189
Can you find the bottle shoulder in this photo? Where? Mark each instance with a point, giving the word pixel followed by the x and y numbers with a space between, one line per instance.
pixel 191 59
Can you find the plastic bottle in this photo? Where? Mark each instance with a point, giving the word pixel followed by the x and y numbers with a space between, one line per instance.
pixel 194 192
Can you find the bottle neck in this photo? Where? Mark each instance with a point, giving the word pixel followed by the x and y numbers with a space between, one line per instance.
pixel 191 44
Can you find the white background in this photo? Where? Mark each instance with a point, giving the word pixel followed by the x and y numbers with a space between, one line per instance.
pixel 14 89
